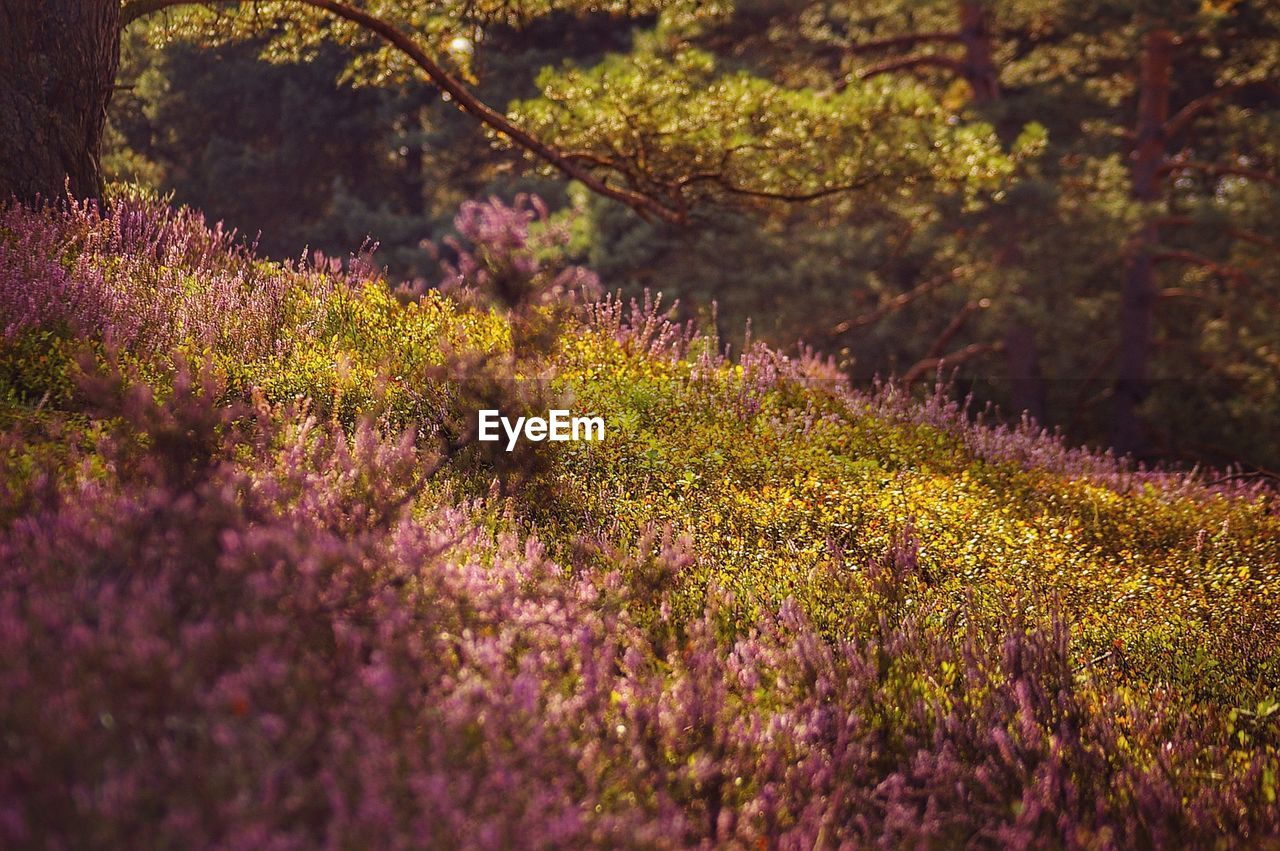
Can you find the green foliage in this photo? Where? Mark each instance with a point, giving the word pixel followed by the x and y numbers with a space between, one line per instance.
pixel 961 581
pixel 293 159
pixel 38 367
pixel 801 488
pixel 1021 199
pixel 450 29
pixel 680 127
pixel 785 481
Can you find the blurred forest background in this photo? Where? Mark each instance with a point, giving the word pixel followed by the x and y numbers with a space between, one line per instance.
pixel 1115 272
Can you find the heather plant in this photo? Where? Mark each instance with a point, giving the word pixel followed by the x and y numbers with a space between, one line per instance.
pixel 264 591
pixel 144 278
pixel 274 650
pixel 1166 576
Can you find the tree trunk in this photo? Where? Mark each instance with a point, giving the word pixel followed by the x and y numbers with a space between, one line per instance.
pixel 1022 360
pixel 58 63
pixel 1138 299
pixel 415 202
pixel 980 70
pixel 1021 350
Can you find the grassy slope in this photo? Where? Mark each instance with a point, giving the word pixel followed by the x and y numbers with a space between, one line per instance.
pixel 1175 586
pixel 787 482
pixel 787 485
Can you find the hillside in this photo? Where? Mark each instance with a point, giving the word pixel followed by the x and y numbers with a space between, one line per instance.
pixel 260 589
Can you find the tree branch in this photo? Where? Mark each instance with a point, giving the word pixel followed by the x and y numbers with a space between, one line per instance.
pixel 792 197
pixel 910 40
pixel 463 97
pixel 1241 234
pixel 1171 293
pixel 1223 270
pixel 909 62
pixel 894 304
pixel 135 9
pixel 1179 122
pixel 968 353
pixel 954 327
pixel 1221 171
pixel 1191 257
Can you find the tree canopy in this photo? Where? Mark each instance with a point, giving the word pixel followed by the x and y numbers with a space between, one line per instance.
pixel 1072 204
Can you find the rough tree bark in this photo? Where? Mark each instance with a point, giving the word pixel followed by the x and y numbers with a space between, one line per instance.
pixel 58 63
pixel 1138 299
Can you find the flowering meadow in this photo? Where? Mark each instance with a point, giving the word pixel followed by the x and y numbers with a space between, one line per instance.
pixel 260 588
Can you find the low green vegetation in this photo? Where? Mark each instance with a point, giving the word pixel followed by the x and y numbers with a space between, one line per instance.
pixel 728 490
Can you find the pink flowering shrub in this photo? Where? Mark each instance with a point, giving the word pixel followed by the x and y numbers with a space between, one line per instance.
pixel 265 594
pixel 146 279
pixel 37 290
pixel 511 261
pixel 248 639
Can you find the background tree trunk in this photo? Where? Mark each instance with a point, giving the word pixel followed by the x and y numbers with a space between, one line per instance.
pixel 1022 360
pixel 1138 301
pixel 980 70
pixel 1021 349
pixel 58 63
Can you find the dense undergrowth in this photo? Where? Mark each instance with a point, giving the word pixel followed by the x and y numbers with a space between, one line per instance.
pixel 259 588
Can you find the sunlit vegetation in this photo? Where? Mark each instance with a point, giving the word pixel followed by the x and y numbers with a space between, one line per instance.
pixel 261 590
